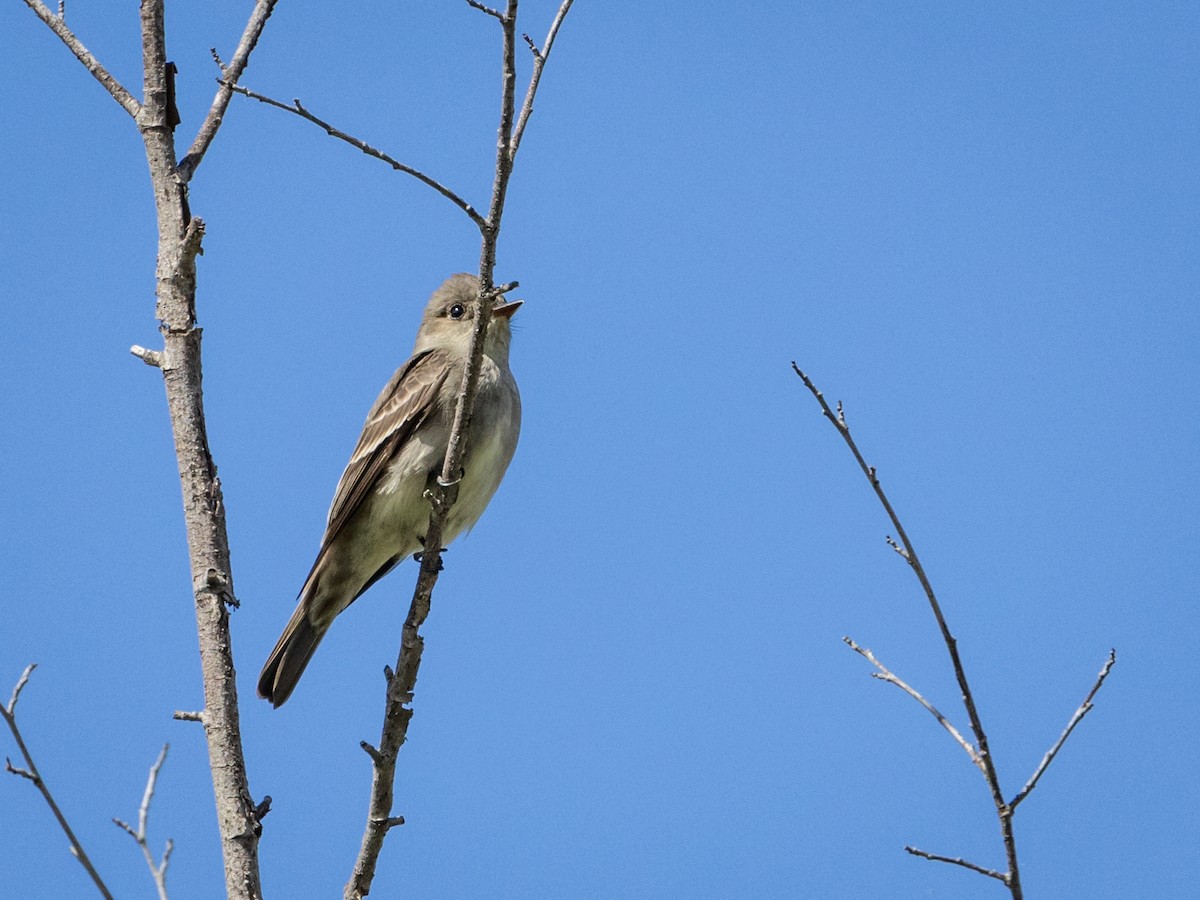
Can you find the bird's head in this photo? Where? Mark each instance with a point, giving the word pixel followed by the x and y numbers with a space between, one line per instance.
pixel 450 318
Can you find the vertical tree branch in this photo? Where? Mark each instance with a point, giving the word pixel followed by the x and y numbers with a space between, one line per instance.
pixel 401 682
pixel 158 870
pixel 179 238
pixel 179 243
pixel 31 773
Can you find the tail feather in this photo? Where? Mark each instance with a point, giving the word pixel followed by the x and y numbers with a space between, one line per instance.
pixel 287 661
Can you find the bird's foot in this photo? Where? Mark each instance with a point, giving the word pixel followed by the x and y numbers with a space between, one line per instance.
pixel 462 473
pixel 419 556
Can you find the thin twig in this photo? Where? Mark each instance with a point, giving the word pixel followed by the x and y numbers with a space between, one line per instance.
pixel 149 357
pixel 494 13
pixel 158 870
pixel 31 773
pixel 539 63
pixel 959 861
pixel 20 686
pixel 58 25
pixel 1084 709
pixel 885 674
pixel 229 77
pixel 909 553
pixel 298 109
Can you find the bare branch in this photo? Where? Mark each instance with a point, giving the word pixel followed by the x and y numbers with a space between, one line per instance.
pixel 166 861
pixel 20 686
pixel 158 870
pixel 179 237
pixel 397 711
pixel 149 357
pixel 298 109
pixel 31 773
pixel 539 63
pixel 1084 709
pixel 179 243
pixel 187 716
pixel 148 796
pixel 19 772
pixel 229 77
pixel 58 25
pixel 125 826
pixel 884 674
pixel 906 549
pixel 495 14
pixel 959 861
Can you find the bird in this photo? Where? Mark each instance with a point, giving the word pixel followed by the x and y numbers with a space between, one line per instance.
pixel 380 511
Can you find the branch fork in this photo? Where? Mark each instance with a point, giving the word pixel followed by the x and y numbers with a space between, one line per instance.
pixel 979 752
pixel 30 772
pixel 158 870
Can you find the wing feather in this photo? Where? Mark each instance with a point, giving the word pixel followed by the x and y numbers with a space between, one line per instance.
pixel 402 405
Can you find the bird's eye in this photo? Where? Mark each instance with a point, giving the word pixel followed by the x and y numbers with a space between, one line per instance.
pixel 457 310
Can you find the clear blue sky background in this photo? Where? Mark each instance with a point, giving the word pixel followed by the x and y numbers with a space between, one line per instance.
pixel 975 223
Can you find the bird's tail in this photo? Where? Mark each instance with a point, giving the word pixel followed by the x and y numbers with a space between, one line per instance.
pixel 286 663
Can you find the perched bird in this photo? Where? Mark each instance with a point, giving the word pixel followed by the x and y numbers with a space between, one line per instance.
pixel 379 512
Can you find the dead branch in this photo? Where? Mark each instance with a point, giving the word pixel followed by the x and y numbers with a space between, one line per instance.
pixel 1084 708
pixel 885 674
pixel 30 773
pixel 511 134
pixel 958 861
pixel 539 63
pixel 158 870
pixel 980 755
pixel 909 553
pixel 229 78
pixel 58 25
pixel 179 239
pixel 402 681
pixel 298 109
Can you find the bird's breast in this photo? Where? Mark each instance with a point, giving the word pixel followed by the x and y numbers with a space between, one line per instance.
pixel 491 444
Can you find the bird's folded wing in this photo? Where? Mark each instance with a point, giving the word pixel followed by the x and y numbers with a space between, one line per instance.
pixel 401 407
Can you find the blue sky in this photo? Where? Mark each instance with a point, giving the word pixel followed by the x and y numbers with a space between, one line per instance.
pixel 974 224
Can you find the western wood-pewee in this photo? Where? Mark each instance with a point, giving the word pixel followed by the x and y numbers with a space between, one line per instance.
pixel 379 512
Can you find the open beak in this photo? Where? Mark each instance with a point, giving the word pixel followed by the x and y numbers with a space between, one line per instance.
pixel 506 310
